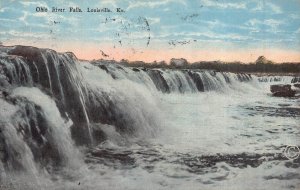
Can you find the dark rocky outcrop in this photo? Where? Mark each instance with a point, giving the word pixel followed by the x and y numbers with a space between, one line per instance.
pixel 280 90
pixel 197 80
pixel 59 76
pixel 297 85
pixel 159 81
pixel 135 69
pixel 295 80
pixel 31 124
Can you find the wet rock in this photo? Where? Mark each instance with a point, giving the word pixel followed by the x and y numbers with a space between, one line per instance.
pixel 295 79
pixel 3 94
pixel 297 85
pixel 159 81
pixel 285 94
pixel 103 67
pixel 282 90
pixel 280 87
pixel 197 80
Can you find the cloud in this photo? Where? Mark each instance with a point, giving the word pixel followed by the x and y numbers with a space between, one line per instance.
pixel 50 17
pixel 267 7
pixel 153 21
pixel 28 35
pixel 275 8
pixel 274 24
pixel 214 23
pixel 221 5
pixel 153 4
pixel 24 17
pixel 218 24
pixel 112 3
pixel 294 16
pixel 207 34
pixel 4 9
pixel 267 26
pixel 31 3
pixel 7 20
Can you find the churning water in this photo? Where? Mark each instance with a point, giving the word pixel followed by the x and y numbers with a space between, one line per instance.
pixel 70 124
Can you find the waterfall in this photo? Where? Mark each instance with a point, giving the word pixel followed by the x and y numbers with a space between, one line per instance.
pixel 51 103
pixel 279 79
pixel 175 81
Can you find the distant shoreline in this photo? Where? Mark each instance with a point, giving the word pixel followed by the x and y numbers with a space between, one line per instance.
pixel 262 66
pixel 261 74
pixel 258 68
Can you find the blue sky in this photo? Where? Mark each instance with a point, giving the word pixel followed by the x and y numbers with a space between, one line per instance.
pixel 185 27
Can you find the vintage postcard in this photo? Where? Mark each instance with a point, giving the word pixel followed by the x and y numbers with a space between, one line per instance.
pixel 149 95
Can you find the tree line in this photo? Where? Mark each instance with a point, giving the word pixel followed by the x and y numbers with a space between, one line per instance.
pixel 261 65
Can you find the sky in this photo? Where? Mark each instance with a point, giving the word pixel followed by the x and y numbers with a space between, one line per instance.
pixel 198 30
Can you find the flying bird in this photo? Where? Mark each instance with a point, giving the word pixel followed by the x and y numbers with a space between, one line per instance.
pixel 103 54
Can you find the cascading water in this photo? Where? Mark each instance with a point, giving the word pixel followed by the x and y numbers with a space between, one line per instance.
pixel 60 115
pixel 178 81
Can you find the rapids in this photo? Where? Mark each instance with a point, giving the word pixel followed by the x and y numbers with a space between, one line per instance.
pixel 72 124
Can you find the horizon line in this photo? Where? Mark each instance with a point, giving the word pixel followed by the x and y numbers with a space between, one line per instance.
pixel 80 56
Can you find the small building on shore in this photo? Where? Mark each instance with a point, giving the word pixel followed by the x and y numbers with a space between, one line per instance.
pixel 178 62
